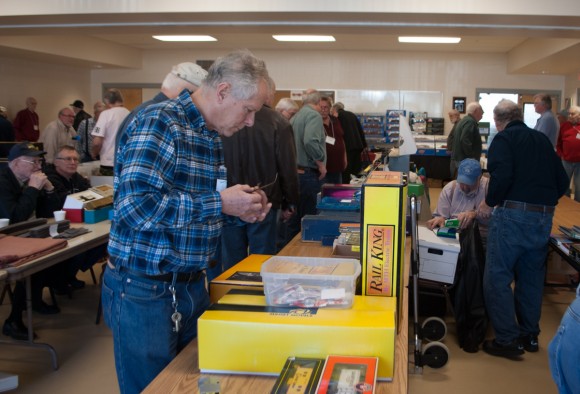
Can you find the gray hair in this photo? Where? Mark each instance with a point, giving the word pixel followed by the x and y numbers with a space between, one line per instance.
pixel 286 104
pixel 311 97
pixel 241 69
pixel 472 107
pixel 506 111
pixel 574 110
pixel 545 99
pixel 338 106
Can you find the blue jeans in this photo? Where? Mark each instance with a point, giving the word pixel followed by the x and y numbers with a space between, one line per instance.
pixel 138 312
pixel 240 239
pixel 573 171
pixel 309 188
pixel 517 245
pixel 563 350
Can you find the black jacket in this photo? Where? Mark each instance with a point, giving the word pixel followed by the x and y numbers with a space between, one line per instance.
pixel 254 155
pixel 62 188
pixel 524 167
pixel 17 202
pixel 79 117
pixel 354 137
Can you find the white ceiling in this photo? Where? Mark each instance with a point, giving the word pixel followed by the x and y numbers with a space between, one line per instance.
pixel 534 44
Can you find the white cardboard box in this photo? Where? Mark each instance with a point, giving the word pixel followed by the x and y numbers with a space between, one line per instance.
pixel 437 256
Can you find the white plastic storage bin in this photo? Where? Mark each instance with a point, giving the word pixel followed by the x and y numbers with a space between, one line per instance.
pixel 437 256
pixel 310 282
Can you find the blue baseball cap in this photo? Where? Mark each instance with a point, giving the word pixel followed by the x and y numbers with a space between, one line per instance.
pixel 469 171
pixel 24 149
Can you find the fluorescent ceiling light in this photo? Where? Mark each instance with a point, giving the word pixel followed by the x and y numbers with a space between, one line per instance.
pixel 431 40
pixel 185 38
pixel 305 38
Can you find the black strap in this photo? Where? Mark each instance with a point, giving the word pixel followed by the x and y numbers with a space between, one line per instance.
pixel 87 153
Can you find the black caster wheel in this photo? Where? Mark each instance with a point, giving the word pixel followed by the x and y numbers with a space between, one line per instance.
pixel 435 355
pixel 434 329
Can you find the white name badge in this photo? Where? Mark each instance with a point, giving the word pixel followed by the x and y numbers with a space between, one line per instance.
pixel 330 140
pixel 578 136
pixel 221 184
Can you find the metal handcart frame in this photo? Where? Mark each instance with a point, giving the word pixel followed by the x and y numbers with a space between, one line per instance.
pixel 435 354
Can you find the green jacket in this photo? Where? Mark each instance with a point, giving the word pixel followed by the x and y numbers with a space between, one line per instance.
pixel 467 141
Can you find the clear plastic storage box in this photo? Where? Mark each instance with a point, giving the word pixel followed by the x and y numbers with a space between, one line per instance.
pixel 310 282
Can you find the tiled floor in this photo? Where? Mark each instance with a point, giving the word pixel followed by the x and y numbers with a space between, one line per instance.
pixel 85 353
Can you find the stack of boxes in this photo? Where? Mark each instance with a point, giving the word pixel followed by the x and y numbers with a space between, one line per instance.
pixel 258 334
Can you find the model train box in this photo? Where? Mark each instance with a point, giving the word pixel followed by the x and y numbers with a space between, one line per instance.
pixel 384 205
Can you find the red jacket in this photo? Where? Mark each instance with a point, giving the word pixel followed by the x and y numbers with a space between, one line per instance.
pixel 568 145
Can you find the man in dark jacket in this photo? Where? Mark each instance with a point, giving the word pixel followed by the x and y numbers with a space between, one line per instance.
pixel 261 155
pixel 21 185
pixel 527 180
pixel 354 141
pixel 66 180
pixel 80 114
pixel 467 140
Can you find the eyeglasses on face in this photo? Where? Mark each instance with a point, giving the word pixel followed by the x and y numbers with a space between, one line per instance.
pixel 33 162
pixel 69 159
pixel 67 116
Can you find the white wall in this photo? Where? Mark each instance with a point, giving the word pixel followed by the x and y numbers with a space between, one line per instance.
pixel 53 86
pixel 450 73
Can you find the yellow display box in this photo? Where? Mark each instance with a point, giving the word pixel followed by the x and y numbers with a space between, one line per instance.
pixel 243 276
pixel 242 334
pixel 384 205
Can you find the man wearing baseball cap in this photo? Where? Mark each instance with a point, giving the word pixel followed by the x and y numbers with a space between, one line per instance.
pixel 461 198
pixel 21 185
pixel 80 114
pixel 182 76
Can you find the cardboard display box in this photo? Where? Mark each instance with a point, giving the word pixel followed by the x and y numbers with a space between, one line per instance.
pixel 244 275
pixel 91 199
pixel 437 256
pixel 384 205
pixel 266 336
pixel 92 216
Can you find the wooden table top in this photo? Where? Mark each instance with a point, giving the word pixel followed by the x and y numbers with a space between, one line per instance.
pixel 567 214
pixel 182 374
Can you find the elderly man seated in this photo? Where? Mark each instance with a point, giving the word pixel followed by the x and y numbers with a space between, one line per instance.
pixel 460 199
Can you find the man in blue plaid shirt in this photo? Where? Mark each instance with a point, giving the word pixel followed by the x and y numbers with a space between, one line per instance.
pixel 170 195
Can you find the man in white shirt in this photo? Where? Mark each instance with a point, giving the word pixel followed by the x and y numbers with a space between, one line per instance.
pixel 105 131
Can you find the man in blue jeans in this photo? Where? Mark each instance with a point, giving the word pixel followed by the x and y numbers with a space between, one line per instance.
pixel 527 180
pixel 563 350
pixel 170 196
pixel 264 155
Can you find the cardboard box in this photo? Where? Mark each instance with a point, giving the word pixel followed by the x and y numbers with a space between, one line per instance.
pixel 346 251
pixel 244 275
pixel 384 205
pixel 266 336
pixel 437 256
pixel 93 198
pixel 93 216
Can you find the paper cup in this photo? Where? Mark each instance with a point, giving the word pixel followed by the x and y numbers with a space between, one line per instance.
pixel 4 222
pixel 59 215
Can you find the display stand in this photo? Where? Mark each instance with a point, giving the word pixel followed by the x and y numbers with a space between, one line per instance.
pixel 182 375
